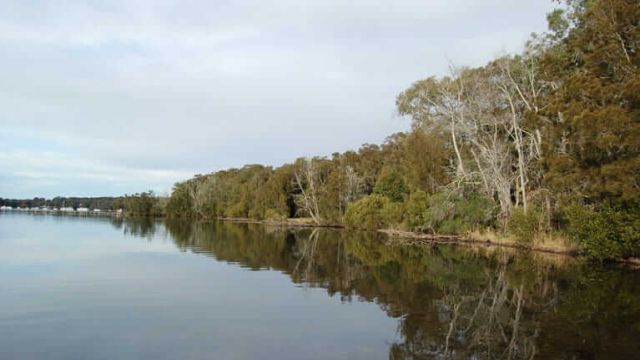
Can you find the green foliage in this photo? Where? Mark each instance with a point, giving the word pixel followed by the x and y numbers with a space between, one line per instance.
pixel 392 214
pixel 440 208
pixel 593 132
pixel 237 210
pixel 117 204
pixel 424 157
pixel 524 226
pixel 457 214
pixel 142 204
pixel 274 215
pixel 392 185
pixel 180 204
pixel 371 212
pixel 337 182
pixel 605 234
pixel 237 193
pixel 475 210
pixel 416 209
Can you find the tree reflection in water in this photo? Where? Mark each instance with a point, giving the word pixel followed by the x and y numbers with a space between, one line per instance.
pixel 457 303
pixel 144 227
pixel 487 323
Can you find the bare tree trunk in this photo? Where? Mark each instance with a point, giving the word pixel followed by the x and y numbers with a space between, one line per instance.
pixel 460 166
pixel 308 198
pixel 353 188
pixel 198 198
pixel 517 138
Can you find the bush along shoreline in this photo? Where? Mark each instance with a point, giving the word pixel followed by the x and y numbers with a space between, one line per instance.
pixel 556 244
pixel 539 149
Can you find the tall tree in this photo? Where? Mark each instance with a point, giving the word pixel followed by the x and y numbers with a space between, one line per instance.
pixel 592 147
pixel 309 181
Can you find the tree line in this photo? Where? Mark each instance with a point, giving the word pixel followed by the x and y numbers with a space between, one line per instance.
pixel 532 144
pixel 102 203
pixel 138 204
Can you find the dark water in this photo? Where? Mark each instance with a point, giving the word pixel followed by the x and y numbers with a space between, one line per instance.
pixel 89 288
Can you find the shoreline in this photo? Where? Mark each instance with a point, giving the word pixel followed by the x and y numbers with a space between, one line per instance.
pixel 400 237
pixel 302 223
pixel 412 238
pixel 105 213
pixel 428 239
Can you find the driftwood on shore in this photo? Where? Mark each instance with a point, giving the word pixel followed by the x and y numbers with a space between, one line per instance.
pixel 419 238
pixel 408 237
pixel 411 238
pixel 282 223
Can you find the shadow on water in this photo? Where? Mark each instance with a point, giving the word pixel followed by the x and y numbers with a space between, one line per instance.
pixel 450 302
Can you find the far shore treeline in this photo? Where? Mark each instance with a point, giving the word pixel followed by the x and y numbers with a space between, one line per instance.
pixel 140 204
pixel 536 146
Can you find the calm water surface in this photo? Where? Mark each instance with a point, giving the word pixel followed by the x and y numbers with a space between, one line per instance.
pixel 96 288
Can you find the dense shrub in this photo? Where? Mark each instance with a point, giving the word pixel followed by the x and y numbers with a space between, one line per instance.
pixel 452 226
pixel 605 234
pixel 272 214
pixel 255 214
pixel 392 185
pixel 392 213
pixel 524 226
pixel 370 212
pixel 440 208
pixel 450 214
pixel 143 204
pixel 475 210
pixel 237 210
pixel 415 212
pixel 180 204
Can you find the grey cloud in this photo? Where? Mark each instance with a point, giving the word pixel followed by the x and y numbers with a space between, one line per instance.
pixel 193 86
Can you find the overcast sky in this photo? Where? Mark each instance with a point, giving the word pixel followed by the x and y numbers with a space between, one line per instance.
pixel 113 97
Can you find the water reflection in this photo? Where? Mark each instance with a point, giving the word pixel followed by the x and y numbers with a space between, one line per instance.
pixel 71 284
pixel 144 227
pixel 449 302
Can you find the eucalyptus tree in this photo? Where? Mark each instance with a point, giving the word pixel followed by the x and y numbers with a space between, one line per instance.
pixel 310 182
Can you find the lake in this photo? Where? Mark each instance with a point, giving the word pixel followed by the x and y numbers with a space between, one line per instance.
pixel 101 288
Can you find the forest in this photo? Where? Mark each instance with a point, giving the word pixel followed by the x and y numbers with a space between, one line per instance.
pixel 533 146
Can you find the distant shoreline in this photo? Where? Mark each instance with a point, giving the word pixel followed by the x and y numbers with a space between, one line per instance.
pixel 111 213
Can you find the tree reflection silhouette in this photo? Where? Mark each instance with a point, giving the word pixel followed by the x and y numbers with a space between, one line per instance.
pixel 450 302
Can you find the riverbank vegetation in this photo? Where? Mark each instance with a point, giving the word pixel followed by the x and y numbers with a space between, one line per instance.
pixel 538 145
